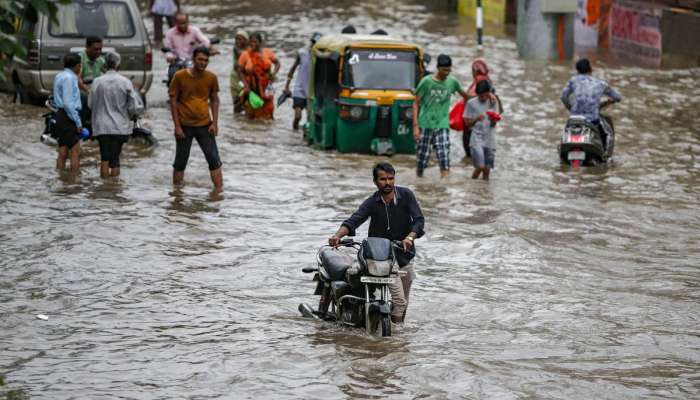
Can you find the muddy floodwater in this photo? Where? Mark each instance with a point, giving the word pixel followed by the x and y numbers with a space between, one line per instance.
pixel 544 283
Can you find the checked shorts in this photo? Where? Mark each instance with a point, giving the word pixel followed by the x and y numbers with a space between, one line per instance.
pixel 438 139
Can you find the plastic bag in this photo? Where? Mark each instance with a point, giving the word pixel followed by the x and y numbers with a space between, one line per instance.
pixel 493 116
pixel 456 116
pixel 255 101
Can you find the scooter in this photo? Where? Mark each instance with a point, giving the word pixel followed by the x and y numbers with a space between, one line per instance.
pixel 180 63
pixel 139 134
pixel 355 294
pixel 582 144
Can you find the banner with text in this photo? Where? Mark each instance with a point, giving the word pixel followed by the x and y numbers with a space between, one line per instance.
pixel 635 29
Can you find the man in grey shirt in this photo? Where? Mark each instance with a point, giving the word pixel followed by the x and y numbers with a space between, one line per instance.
pixel 113 102
pixel 481 115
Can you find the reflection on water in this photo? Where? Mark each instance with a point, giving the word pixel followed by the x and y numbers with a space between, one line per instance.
pixel 545 282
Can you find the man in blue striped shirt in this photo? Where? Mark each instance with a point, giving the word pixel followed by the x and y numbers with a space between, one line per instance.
pixel 66 96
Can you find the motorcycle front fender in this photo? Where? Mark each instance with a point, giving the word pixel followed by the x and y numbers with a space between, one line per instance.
pixel 380 307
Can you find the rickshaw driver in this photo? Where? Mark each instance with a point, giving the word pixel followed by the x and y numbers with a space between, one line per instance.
pixel 431 108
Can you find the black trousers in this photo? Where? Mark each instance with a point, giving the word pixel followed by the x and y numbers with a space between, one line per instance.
pixel 206 141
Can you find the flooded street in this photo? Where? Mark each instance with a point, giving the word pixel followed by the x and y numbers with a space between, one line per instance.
pixel 544 283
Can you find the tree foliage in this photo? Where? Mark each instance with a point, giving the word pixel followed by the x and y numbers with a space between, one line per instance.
pixel 11 13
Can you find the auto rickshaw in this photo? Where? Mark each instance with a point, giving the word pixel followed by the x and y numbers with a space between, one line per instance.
pixel 361 93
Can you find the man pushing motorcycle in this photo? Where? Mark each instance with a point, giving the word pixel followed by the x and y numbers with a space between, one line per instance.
pixel 394 214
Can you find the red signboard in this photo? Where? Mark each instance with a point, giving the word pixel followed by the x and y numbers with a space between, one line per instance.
pixel 635 28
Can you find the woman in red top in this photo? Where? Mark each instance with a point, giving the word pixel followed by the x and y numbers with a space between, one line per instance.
pixel 256 67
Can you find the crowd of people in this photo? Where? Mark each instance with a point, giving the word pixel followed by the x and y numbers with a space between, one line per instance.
pixel 90 91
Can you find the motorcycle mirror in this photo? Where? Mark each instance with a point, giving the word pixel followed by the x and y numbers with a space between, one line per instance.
pixel 214 40
pixel 308 270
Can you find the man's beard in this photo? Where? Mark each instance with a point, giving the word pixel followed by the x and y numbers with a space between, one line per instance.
pixel 387 189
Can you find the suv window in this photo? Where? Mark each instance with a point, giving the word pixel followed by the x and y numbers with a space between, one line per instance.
pixel 108 19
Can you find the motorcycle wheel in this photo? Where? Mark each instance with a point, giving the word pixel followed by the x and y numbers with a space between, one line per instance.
pixel 386 326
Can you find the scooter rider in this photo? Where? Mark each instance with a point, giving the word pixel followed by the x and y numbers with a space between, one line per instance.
pixel 183 38
pixel 583 93
pixel 394 214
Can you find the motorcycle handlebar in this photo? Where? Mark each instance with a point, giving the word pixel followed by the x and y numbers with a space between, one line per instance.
pixel 212 41
pixel 350 242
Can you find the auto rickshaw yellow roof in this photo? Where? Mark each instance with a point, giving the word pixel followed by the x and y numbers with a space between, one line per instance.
pixel 340 42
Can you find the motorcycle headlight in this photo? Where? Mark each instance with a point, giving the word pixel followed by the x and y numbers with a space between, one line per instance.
pixel 379 268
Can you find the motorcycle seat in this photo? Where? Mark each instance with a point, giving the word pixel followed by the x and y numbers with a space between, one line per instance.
pixel 335 263
pixel 578 120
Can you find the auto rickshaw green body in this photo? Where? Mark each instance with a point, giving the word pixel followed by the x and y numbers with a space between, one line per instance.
pixel 361 94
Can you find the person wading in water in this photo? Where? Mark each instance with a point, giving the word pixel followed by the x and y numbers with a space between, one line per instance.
pixel 193 92
pixel 256 65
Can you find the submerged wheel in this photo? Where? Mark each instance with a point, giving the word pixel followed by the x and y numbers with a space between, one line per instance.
pixel 386 326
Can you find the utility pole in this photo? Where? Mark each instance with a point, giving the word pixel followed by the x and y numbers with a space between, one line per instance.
pixel 479 25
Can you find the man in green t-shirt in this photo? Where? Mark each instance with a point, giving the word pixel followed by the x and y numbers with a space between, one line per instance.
pixel 92 61
pixel 431 124
pixel 92 67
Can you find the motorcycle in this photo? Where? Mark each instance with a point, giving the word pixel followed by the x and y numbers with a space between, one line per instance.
pixel 582 144
pixel 355 294
pixel 139 134
pixel 180 63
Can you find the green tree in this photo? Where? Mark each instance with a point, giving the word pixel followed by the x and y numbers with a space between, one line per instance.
pixel 13 11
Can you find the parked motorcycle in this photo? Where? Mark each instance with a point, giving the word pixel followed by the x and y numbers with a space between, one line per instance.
pixel 355 294
pixel 582 144
pixel 180 63
pixel 139 134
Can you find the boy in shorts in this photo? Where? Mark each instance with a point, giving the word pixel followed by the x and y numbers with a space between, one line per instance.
pixel 482 143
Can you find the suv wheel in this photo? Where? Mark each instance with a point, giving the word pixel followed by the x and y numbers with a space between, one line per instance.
pixel 22 96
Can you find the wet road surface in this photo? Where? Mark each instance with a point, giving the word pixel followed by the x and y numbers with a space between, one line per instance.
pixel 544 283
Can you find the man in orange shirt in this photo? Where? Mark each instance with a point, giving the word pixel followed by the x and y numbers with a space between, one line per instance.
pixel 193 91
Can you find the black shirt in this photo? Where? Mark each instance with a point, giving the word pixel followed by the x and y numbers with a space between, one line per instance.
pixel 393 221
